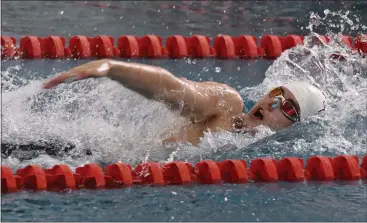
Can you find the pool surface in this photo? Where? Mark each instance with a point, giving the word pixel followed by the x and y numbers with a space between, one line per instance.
pixel 116 124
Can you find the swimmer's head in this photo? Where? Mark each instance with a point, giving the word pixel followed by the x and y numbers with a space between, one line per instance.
pixel 306 99
pixel 310 99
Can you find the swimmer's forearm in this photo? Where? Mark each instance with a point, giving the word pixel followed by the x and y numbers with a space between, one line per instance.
pixel 149 81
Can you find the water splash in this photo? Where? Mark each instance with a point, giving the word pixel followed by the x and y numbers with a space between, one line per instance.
pixel 343 82
pixel 120 125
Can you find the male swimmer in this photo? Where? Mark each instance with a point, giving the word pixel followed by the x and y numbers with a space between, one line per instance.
pixel 209 106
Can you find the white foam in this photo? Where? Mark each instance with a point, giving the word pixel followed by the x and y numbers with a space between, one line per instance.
pixel 120 125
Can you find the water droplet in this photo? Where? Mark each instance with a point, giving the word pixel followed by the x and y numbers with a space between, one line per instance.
pixel 174 193
pixel 238 68
pixel 217 69
pixel 61 12
pixel 225 199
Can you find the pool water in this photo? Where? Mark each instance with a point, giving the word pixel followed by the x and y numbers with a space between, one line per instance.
pixel 119 125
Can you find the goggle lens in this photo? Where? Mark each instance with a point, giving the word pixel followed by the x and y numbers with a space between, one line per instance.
pixel 276 92
pixel 289 109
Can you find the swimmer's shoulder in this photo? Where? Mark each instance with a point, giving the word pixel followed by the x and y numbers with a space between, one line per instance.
pixel 231 95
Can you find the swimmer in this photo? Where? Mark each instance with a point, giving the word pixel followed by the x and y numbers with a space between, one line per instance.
pixel 209 106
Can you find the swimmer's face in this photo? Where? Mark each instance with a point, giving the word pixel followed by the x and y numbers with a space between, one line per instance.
pixel 263 113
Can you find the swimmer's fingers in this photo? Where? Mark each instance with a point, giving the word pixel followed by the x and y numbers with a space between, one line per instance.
pixel 70 76
pixel 93 69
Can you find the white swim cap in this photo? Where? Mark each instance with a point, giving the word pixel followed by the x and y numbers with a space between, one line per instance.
pixel 311 100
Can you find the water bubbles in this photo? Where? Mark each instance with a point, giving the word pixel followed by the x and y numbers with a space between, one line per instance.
pixel 61 12
pixel 238 68
pixel 225 199
pixel 217 69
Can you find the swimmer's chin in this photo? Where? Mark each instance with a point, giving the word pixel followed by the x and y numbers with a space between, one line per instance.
pixel 250 121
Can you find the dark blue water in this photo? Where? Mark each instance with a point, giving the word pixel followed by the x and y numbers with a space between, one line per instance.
pixel 225 203
pixel 311 201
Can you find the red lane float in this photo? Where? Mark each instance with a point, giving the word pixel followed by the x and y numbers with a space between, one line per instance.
pixel 151 46
pixel 208 172
pixel 91 176
pixel 290 41
pixel 128 46
pixel 8 47
pixel 30 47
pixel 364 167
pixel 199 46
pixel 102 46
pixel 176 47
pixel 60 177
pixel 291 169
pixel 361 43
pixel 346 168
pixel 9 182
pixel 118 175
pixel 247 48
pixel 149 173
pixel 80 47
pixel 53 47
pixel 225 47
pixel 264 170
pixel 34 178
pixel 272 46
pixel 176 173
pixel 233 171
pixel 319 168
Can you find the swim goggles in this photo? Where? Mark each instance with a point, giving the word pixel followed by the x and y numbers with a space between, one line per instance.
pixel 286 106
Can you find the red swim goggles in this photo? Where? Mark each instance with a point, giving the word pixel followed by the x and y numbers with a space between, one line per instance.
pixel 286 106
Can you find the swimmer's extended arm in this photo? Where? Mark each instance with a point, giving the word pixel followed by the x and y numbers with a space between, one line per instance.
pixel 156 83
pixel 149 81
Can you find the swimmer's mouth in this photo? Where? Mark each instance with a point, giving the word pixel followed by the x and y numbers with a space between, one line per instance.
pixel 259 114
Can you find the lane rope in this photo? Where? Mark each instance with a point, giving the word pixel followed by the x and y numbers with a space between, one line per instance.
pixel 119 175
pixel 151 46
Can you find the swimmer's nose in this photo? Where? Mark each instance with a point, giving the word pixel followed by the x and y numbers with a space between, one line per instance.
pixel 275 103
pixel 271 104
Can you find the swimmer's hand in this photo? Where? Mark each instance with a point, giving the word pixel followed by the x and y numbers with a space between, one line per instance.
pixel 94 69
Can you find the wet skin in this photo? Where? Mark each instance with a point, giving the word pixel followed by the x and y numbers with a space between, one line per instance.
pixel 208 106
